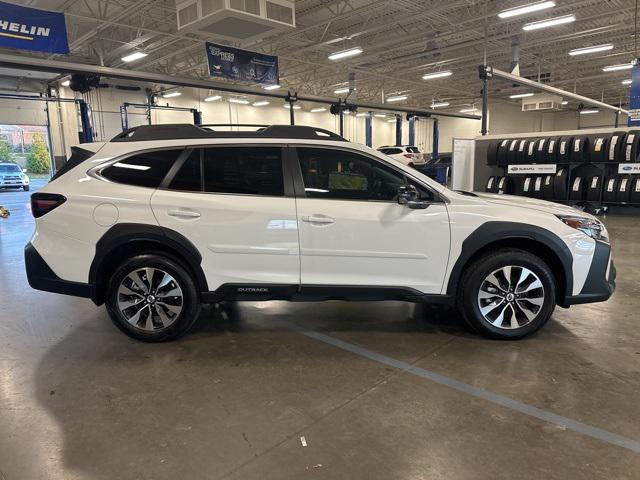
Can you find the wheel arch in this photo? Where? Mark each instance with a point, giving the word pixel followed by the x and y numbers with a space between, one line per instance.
pixel 125 240
pixel 536 240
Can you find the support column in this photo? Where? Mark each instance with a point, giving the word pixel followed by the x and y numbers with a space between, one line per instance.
pixel 436 136
pixel 484 76
pixel 398 130
pixel 412 130
pixel 368 129
pixel 86 133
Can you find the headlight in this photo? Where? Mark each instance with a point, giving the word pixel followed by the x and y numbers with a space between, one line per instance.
pixel 589 226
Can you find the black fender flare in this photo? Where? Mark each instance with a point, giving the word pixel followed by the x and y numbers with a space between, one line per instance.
pixel 492 232
pixel 124 233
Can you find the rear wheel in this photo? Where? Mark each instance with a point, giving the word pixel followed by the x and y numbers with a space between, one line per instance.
pixel 508 294
pixel 153 298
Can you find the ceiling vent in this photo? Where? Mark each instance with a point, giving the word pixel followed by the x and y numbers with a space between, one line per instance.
pixel 542 102
pixel 235 20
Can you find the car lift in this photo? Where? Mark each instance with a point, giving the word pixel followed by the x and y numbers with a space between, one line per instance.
pixel 124 112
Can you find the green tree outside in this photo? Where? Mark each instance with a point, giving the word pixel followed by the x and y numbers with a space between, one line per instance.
pixel 5 150
pixel 39 159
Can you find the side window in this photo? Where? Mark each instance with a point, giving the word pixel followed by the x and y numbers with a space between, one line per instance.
pixel 244 170
pixel 345 175
pixel 145 169
pixel 189 177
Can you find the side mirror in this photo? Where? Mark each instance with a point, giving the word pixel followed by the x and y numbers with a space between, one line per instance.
pixel 408 195
pixel 24 170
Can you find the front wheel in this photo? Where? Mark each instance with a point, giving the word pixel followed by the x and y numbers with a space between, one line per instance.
pixel 153 298
pixel 508 294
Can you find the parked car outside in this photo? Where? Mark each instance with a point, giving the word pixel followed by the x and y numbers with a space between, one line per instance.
pixel 12 176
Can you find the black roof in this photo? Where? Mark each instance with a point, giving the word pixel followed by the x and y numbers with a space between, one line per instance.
pixel 183 131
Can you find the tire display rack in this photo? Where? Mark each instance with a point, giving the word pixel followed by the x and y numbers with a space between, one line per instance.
pixel 594 169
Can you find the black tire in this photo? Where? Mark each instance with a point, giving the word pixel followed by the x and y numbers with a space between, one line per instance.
pixel 25 188
pixel 190 303
pixel 474 277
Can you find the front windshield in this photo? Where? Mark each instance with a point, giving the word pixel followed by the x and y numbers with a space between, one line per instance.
pixel 9 169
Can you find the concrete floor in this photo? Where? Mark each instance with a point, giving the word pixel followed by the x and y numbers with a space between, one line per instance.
pixel 79 400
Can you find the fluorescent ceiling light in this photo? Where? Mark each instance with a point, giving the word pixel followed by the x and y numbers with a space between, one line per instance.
pixel 594 49
pixel 261 103
pixel 318 110
pixel 295 107
pixel 469 110
pixel 380 115
pixel 361 114
pixel 271 87
pixel 431 76
pixel 341 90
pixel 133 57
pixel 550 22
pixel 212 98
pixel 393 120
pixel 589 110
pixel 175 93
pixel 521 95
pixel 351 52
pixel 439 104
pixel 241 101
pixel 66 83
pixel 564 102
pixel 397 98
pixel 615 68
pixel 532 7
pixel 626 82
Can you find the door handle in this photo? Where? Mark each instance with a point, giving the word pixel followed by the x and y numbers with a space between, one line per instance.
pixel 317 219
pixel 179 213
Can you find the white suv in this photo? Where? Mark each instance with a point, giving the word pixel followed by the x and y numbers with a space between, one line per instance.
pixel 164 218
pixel 407 154
pixel 12 176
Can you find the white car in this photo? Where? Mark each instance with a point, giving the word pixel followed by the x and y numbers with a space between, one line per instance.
pixel 164 218
pixel 12 176
pixel 406 154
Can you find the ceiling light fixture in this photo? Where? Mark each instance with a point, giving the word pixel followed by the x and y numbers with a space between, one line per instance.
pixel 66 83
pixel 594 49
pixel 397 98
pixel 564 102
pixel 550 22
pixel 271 87
pixel 431 76
pixel 175 93
pixel 469 110
pixel 341 90
pixel 351 52
pixel 586 111
pixel 615 68
pixel 379 115
pixel 361 115
pixel 626 82
pixel 393 120
pixel 524 9
pixel 295 107
pixel 521 95
pixel 318 110
pixel 133 57
pixel 240 101
pixel 439 104
pixel 212 98
pixel 261 103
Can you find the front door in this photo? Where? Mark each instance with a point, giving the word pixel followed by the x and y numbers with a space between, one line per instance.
pixel 230 202
pixel 353 232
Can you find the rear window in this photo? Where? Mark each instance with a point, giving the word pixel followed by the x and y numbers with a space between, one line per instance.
pixel 145 169
pixel 390 151
pixel 10 169
pixel 78 155
pixel 413 150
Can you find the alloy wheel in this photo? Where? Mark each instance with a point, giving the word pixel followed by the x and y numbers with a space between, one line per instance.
pixel 511 297
pixel 150 299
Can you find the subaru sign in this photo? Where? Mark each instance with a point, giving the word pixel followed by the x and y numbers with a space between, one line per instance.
pixel 237 64
pixel 32 29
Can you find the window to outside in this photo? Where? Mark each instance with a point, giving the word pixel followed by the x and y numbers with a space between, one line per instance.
pixel 344 175
pixel 244 170
pixel 144 169
pixel 189 177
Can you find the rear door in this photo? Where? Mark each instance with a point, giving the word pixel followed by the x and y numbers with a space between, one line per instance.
pixel 234 204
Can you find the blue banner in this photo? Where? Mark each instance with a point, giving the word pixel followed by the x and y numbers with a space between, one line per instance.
pixel 634 97
pixel 32 29
pixel 236 64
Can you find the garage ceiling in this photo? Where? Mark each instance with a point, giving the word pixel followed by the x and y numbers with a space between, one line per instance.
pixel 402 40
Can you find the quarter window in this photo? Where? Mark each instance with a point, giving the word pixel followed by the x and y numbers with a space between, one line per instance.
pixel 189 176
pixel 145 169
pixel 243 170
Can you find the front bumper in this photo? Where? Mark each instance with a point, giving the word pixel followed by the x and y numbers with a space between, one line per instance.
pixel 41 277
pixel 601 279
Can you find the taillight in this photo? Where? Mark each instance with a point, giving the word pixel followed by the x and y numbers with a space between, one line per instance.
pixel 408 155
pixel 42 203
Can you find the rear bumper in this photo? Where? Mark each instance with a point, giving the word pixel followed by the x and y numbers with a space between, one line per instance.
pixel 41 277
pixel 601 279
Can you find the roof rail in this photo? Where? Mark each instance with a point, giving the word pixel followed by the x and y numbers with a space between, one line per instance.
pixel 184 131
